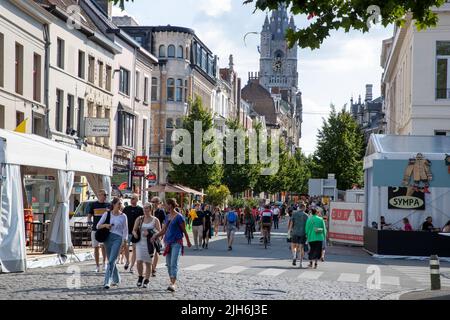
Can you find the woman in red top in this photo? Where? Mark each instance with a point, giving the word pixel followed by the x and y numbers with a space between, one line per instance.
pixel 406 225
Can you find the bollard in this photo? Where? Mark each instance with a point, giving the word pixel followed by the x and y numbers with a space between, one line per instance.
pixel 434 273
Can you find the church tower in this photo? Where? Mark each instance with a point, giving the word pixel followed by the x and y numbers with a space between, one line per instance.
pixel 278 63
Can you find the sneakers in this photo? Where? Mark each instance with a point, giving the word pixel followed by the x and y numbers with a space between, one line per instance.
pixel 203 245
pixel 106 286
pixel 294 262
pixel 97 269
pixel 131 270
pixel 126 266
pixel 171 288
pixel 145 285
pixel 230 248
pixel 139 283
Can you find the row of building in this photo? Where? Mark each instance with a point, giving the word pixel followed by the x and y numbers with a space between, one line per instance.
pixel 116 89
pixel 415 83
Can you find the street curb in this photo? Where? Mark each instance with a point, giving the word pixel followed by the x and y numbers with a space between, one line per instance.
pixel 56 260
pixel 398 295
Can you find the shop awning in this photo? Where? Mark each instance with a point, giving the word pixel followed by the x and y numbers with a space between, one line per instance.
pixel 167 187
pixel 36 151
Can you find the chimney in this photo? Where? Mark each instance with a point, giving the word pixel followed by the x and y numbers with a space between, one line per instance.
pixel 105 6
pixel 369 96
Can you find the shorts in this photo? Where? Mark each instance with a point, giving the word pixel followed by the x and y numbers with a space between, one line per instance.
pixel 231 231
pixel 94 242
pixel 298 239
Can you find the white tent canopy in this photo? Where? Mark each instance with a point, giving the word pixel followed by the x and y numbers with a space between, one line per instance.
pixel 35 151
pixel 394 147
pixel 31 154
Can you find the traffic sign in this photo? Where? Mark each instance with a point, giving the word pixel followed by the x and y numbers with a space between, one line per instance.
pixel 140 161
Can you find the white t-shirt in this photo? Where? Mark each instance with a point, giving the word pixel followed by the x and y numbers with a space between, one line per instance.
pixel 276 211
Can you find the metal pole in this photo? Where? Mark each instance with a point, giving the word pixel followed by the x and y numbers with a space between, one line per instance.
pixel 434 273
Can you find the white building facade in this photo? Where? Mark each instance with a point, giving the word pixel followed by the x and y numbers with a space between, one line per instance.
pixel 416 79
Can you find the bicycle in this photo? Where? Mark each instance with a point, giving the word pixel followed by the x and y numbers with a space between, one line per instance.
pixel 265 235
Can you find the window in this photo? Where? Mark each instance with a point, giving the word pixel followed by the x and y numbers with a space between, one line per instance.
pixel 38 124
pixel 91 69
pixel 442 133
pixel 186 91
pixel 60 53
pixel 80 117
pixel 179 90
pixel 180 52
pixel 126 129
pixel 19 68
pixel 108 77
pixel 162 51
pixel 211 66
pixel 138 83
pixel 90 115
pixel 171 51
pixel 170 89
pixel 178 123
pixel 81 64
pixel 442 69
pixel 20 116
pixel 204 60
pixel 144 136
pixel 59 110
pixel 2 64
pixel 100 74
pixel 146 89
pixel 154 89
pixel 169 130
pixel 187 53
pixel 37 77
pixel 69 116
pixel 2 117
pixel 124 85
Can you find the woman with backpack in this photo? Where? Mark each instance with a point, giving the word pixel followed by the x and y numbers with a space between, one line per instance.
pixel 173 230
pixel 316 232
pixel 142 228
pixel 231 224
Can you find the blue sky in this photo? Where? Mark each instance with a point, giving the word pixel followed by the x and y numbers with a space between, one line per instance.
pixel 341 68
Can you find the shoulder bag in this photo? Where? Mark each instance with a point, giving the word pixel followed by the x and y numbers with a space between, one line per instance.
pixel 133 238
pixel 101 235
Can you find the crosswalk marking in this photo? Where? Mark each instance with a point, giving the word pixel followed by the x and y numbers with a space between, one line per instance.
pixel 422 274
pixel 198 267
pixel 234 269
pixel 390 280
pixel 349 277
pixel 271 272
pixel 310 275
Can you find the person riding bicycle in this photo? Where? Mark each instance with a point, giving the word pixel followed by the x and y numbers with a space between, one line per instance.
pixel 249 221
pixel 266 221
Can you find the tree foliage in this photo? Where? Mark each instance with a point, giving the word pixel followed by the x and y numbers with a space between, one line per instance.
pixel 340 150
pixel 217 195
pixel 329 15
pixel 197 176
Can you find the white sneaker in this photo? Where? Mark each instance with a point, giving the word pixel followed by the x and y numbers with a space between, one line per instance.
pixel 131 270
pixel 97 269
pixel 171 288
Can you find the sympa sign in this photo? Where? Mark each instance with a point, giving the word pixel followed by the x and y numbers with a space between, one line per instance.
pixel 346 222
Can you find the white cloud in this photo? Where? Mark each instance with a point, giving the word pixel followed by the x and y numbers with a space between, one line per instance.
pixel 215 8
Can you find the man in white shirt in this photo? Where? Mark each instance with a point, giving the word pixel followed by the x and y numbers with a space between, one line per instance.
pixel 276 216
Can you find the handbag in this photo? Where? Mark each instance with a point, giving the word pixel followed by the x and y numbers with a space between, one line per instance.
pixel 101 235
pixel 133 238
pixel 153 246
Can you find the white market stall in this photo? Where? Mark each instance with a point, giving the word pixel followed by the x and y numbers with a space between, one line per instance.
pixel 25 154
pixel 387 158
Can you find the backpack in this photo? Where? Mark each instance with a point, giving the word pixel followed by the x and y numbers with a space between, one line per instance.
pixel 232 217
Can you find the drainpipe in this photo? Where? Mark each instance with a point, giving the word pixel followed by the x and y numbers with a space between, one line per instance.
pixel 46 81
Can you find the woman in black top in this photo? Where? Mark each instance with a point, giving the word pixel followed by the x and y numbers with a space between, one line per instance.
pixel 207 229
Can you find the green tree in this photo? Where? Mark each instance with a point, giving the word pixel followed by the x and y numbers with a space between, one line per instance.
pixel 239 177
pixel 217 195
pixel 340 150
pixel 299 166
pixel 329 15
pixel 197 176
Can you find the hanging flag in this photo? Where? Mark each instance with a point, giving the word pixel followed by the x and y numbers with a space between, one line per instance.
pixel 22 127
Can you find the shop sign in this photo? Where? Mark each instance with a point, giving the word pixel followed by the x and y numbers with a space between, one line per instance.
pixel 405 198
pixel 138 173
pixel 346 222
pixel 140 161
pixel 97 127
